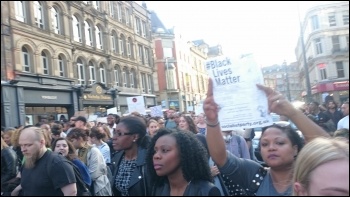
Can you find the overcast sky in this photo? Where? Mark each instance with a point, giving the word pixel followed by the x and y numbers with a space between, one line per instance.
pixel 269 30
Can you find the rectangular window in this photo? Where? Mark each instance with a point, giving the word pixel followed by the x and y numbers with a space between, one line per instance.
pixel 141 54
pixel 111 9
pixel 143 26
pixel 124 79
pixel 102 75
pixel 96 5
pixel 340 69
pixel 150 84
pixel 346 18
pixel 61 67
pixel 318 46
pixel 315 23
pixel 116 75
pixel 138 26
pixel 147 56
pixel 119 9
pixel 331 19
pixel 127 16
pixel 168 52
pixel 131 78
pixel 38 15
pixel 20 11
pixel 143 81
pixel 323 73
pixel 336 44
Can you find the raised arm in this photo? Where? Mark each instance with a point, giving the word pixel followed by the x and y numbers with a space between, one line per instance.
pixel 215 141
pixel 278 104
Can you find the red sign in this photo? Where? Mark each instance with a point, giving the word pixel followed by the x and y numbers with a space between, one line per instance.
pixel 329 87
pixel 321 66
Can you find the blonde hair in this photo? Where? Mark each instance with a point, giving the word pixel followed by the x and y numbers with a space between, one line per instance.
pixel 3 144
pixel 315 153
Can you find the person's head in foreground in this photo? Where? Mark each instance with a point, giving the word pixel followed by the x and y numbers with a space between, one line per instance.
pixel 322 168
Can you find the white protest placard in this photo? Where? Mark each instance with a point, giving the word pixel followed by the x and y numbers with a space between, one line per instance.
pixel 136 103
pixel 92 118
pixel 156 111
pixel 242 104
pixel 112 110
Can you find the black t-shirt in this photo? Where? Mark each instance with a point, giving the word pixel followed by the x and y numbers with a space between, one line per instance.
pixel 37 181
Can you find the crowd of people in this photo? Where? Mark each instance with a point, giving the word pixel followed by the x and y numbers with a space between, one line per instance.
pixel 181 154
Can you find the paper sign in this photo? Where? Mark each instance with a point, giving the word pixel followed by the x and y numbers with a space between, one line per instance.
pixel 92 118
pixel 136 103
pixel 112 110
pixel 242 104
pixel 156 111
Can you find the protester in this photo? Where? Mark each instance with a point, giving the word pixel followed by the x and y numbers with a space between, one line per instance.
pixel 342 133
pixel 93 159
pixel 111 122
pixel 66 148
pixel 186 123
pixel 128 164
pixel 344 122
pixel 96 137
pixel 170 119
pixel 178 165
pixel 7 135
pixel 279 145
pixel 333 112
pixel 201 125
pixel 8 162
pixel 161 122
pixel 236 144
pixel 36 180
pixel 322 169
pixel 152 127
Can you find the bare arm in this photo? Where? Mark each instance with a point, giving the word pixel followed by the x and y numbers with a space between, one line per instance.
pixel 216 143
pixel 69 190
pixel 309 129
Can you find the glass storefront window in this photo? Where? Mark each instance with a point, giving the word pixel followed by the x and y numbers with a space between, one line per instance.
pixel 45 114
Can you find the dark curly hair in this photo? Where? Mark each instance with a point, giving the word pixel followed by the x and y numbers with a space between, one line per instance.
pixel 193 156
pixel 75 133
pixel 191 126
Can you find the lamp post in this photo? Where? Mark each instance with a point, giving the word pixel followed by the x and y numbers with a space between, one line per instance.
pixel 306 70
pixel 287 79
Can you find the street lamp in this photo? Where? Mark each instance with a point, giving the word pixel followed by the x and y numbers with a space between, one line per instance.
pixel 287 79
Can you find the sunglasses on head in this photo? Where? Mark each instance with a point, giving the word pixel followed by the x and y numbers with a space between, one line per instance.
pixel 279 124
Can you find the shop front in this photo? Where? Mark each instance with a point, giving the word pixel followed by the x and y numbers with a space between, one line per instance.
pixel 339 90
pixel 95 100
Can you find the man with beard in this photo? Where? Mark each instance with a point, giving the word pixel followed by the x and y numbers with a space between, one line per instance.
pixel 36 179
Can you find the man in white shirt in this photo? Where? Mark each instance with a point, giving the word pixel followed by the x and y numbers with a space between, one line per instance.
pixel 344 122
pixel 111 122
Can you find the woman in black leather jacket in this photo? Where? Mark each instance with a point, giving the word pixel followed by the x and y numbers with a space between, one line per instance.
pixel 178 165
pixel 128 164
pixel 8 162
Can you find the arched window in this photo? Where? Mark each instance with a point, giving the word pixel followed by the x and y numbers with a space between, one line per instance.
pixel 99 44
pixel 88 33
pixel 38 14
pixel 76 29
pixel 92 72
pixel 81 72
pixel 115 41
pixel 128 48
pixel 56 20
pixel 125 79
pixel 45 63
pixel 20 10
pixel 26 60
pixel 121 45
pixel 102 74
pixel 61 65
